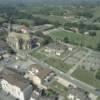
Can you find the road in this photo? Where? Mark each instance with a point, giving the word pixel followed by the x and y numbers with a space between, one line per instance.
pixel 67 77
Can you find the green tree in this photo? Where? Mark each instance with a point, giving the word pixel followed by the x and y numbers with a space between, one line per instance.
pixel 98 74
pixel 98 46
pixel 47 40
pixel 66 40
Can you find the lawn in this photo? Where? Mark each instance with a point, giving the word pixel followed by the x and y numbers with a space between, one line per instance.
pixel 59 64
pixel 77 38
pixel 87 77
pixel 38 55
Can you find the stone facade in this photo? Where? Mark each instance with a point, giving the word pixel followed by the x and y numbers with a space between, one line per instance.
pixel 20 41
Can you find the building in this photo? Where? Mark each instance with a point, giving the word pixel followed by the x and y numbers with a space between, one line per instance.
pixel 38 95
pixel 14 84
pixel 3 47
pixel 40 75
pixel 21 41
pixel 55 48
pixel 77 94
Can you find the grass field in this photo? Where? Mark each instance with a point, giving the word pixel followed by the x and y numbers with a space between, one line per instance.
pixel 76 38
pixel 97 12
pixel 87 77
pixel 52 18
pixel 38 55
pixel 58 64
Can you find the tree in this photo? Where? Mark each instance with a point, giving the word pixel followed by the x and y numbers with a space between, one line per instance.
pixel 66 40
pixel 92 33
pixel 11 51
pixel 98 74
pixel 56 23
pixel 98 46
pixel 39 33
pixel 47 40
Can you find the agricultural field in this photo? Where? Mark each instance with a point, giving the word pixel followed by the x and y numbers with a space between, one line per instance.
pixel 52 18
pixel 77 38
pixel 87 77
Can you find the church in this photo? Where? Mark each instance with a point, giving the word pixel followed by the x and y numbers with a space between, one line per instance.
pixel 21 40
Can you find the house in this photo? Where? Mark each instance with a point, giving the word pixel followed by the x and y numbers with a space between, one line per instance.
pixel 77 94
pixel 14 84
pixel 40 75
pixel 40 95
pixel 3 47
pixel 37 96
pixel 55 48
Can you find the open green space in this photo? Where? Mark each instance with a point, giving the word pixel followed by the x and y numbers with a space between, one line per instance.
pixel 77 38
pixel 37 55
pixel 97 11
pixel 52 18
pixel 87 77
pixel 25 21
pixel 60 89
pixel 59 64
pixel 98 98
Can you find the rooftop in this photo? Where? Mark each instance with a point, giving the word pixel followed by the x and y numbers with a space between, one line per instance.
pixel 39 97
pixel 78 93
pixel 3 44
pixel 18 35
pixel 14 78
pixel 39 71
pixel 56 46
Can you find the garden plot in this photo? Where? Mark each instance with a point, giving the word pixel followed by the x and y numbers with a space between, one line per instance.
pixel 76 57
pixel 92 62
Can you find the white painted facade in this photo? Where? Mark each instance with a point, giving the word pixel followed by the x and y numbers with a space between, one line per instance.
pixel 13 90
